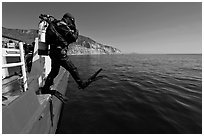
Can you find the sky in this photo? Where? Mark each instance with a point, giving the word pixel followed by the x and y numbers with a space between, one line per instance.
pixel 132 27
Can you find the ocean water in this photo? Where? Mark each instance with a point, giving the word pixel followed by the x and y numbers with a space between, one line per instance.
pixel 141 94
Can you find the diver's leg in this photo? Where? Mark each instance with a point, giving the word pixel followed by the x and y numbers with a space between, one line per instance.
pixel 68 65
pixel 55 67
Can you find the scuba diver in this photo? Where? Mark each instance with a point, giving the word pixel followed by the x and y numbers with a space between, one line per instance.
pixel 59 34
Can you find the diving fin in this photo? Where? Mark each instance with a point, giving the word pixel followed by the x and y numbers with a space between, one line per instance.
pixel 95 74
pixel 57 94
pixel 60 96
pixel 93 78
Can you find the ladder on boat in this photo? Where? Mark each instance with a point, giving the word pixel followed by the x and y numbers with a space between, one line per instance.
pixel 7 52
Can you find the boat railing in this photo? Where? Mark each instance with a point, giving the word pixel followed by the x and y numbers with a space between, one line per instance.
pixel 7 52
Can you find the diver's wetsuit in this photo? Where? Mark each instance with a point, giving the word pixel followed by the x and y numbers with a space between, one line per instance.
pixel 58 52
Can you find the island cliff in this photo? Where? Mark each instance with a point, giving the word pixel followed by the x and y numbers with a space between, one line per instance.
pixel 83 45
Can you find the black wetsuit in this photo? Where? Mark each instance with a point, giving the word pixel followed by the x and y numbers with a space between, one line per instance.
pixel 59 36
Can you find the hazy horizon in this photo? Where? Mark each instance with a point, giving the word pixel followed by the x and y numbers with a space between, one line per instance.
pixel 132 27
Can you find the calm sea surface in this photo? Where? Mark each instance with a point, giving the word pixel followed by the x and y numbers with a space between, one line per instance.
pixel 140 94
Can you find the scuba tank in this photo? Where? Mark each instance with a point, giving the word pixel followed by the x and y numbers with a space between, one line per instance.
pixel 43 48
pixel 45 21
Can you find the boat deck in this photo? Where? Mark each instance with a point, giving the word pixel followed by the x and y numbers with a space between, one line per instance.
pixel 12 89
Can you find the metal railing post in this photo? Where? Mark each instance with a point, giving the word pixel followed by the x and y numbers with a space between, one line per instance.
pixel 25 85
